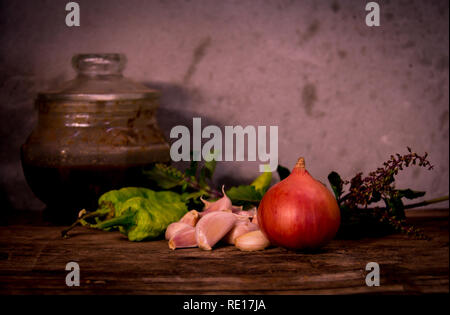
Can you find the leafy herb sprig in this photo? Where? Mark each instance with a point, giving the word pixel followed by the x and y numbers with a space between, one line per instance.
pixel 196 181
pixel 354 196
pixel 193 184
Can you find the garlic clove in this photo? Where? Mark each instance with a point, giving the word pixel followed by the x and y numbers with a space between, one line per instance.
pixel 174 228
pixel 255 219
pixel 237 209
pixel 242 218
pixel 223 203
pixel 183 239
pixel 252 211
pixel 190 218
pixel 206 203
pixel 241 227
pixel 212 227
pixel 252 241
pixel 249 213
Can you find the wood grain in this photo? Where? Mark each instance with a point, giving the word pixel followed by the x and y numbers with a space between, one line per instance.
pixel 33 260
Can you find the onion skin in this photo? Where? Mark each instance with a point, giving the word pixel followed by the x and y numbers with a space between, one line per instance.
pixel 299 212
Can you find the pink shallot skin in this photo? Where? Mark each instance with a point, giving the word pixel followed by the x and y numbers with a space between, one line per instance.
pixel 299 212
pixel 183 239
pixel 221 204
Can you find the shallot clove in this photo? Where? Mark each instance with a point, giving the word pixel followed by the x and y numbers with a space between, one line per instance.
pixel 249 213
pixel 190 218
pixel 255 219
pixel 212 227
pixel 237 209
pixel 241 227
pixel 174 228
pixel 223 203
pixel 183 239
pixel 252 241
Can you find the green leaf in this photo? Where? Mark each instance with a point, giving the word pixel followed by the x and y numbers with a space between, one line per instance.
pixel 262 182
pixel 210 164
pixel 202 178
pixel 376 196
pixel 283 172
pixel 336 184
pixel 165 176
pixel 389 178
pixel 162 201
pixel 410 194
pixel 244 193
pixel 143 218
pixel 395 206
pixel 192 170
pixel 193 195
pixel 208 169
pixel 207 172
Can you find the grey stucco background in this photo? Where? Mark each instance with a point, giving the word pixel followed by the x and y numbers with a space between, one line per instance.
pixel 344 95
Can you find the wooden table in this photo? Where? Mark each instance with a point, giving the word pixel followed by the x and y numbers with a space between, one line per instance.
pixel 33 258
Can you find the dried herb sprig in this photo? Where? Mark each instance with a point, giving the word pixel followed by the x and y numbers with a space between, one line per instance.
pixel 379 185
pixel 401 226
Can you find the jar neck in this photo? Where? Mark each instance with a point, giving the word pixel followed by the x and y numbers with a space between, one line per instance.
pixel 98 75
pixel 99 65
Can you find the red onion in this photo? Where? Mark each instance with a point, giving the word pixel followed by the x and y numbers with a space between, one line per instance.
pixel 299 212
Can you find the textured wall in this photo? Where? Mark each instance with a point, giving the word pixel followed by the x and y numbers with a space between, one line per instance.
pixel 344 95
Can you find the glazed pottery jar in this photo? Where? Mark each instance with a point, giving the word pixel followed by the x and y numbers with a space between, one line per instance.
pixel 94 133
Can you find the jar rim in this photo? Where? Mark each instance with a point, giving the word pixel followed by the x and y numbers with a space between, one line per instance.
pixel 94 64
pixel 150 95
pixel 99 78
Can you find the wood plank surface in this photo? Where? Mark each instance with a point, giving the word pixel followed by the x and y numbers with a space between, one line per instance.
pixel 33 260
